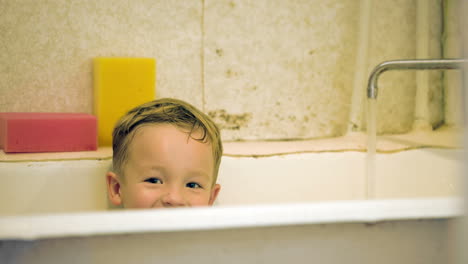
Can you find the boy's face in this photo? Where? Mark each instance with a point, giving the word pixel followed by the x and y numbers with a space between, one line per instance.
pixel 165 168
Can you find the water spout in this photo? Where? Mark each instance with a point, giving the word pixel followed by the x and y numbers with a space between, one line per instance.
pixel 427 64
pixel 430 64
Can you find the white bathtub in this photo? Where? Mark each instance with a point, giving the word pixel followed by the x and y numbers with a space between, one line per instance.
pixel 78 185
pixel 383 231
pixel 305 208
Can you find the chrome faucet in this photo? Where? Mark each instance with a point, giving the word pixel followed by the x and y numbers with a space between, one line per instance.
pixel 429 64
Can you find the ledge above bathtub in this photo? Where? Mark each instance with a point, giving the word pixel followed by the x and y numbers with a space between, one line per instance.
pixel 188 219
pixel 444 137
pixel 102 153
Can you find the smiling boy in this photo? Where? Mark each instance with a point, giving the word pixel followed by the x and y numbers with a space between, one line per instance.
pixel 166 153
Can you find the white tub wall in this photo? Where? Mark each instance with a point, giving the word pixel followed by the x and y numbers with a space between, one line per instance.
pixel 70 186
pixel 419 173
pixel 292 178
pixel 52 187
pixel 340 176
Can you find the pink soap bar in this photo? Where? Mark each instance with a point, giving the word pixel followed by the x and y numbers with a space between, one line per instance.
pixel 47 132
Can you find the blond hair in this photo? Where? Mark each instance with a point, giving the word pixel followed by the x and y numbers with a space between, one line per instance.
pixel 165 111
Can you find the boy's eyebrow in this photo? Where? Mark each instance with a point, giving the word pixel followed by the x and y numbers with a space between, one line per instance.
pixel 147 169
pixel 192 173
pixel 199 173
pixel 156 167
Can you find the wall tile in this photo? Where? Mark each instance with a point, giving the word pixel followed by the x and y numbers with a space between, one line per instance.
pixel 453 88
pixel 393 37
pixel 46 49
pixel 265 69
pixel 279 69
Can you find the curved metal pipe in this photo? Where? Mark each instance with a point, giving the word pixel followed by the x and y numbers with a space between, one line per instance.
pixel 429 64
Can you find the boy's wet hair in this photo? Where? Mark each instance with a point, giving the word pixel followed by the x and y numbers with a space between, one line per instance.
pixel 165 111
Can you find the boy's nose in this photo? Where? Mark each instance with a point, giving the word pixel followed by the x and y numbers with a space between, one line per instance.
pixel 173 198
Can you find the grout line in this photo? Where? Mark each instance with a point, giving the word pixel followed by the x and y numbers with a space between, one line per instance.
pixel 202 54
pixel 357 112
pixel 443 77
pixel 421 108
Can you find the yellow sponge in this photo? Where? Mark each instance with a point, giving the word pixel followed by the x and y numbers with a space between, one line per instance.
pixel 119 85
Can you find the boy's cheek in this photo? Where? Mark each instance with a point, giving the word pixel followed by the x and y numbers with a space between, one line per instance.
pixel 148 199
pixel 140 197
pixel 137 198
pixel 202 199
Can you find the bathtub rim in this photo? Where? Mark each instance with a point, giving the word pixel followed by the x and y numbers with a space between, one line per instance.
pixel 32 227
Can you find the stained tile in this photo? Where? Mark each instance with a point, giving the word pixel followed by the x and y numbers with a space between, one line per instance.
pixel 279 69
pixel 393 37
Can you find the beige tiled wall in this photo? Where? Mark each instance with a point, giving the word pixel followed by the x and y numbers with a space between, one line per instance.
pixel 452 37
pixel 264 69
pixel 279 67
pixel 46 49
pixel 393 36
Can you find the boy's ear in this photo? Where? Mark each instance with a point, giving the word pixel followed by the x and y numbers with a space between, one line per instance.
pixel 214 193
pixel 113 188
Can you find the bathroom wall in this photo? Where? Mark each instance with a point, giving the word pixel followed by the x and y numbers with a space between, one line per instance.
pixel 264 69
pixel 452 48
pixel 49 46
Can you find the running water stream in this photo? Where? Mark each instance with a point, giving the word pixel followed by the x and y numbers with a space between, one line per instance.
pixel 371 148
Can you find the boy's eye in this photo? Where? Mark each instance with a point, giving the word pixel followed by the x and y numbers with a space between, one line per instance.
pixel 193 185
pixel 153 180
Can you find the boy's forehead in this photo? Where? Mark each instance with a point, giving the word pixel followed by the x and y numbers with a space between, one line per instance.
pixel 160 142
pixel 155 132
pixel 164 128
